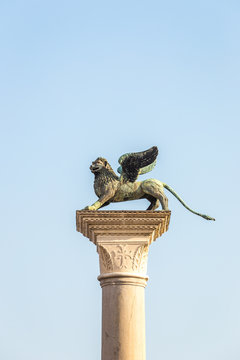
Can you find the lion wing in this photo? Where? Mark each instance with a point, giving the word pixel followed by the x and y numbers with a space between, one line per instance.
pixel 134 164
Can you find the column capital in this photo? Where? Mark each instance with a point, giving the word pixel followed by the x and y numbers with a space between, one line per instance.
pixel 122 239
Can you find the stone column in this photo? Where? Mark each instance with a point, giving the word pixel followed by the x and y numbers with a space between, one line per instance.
pixel 122 239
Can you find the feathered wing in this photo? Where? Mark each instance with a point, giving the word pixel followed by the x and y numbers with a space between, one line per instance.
pixel 134 164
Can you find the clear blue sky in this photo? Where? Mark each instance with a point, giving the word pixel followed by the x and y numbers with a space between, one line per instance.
pixel 82 79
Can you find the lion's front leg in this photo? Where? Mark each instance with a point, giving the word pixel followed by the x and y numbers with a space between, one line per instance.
pixel 101 201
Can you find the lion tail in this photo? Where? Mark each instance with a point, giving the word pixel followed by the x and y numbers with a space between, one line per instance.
pixel 185 205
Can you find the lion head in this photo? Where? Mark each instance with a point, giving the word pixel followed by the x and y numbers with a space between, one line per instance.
pixel 100 164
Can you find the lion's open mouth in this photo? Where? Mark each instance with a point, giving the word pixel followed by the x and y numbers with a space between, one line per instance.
pixel 94 168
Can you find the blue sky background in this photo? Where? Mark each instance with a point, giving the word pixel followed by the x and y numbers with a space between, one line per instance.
pixel 82 79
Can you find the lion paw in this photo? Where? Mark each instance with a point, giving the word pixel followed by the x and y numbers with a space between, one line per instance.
pixel 89 208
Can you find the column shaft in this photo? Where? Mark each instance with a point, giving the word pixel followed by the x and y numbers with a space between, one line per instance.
pixel 123 318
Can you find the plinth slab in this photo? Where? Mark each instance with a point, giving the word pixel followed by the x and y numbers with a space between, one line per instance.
pixel 94 224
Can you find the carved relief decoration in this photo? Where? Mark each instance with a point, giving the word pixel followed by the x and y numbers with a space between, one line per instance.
pixel 140 259
pixel 105 257
pixel 123 257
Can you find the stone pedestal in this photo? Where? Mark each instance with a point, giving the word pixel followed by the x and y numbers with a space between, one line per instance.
pixel 122 239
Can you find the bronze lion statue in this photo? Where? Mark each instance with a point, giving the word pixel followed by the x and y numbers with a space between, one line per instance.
pixel 111 188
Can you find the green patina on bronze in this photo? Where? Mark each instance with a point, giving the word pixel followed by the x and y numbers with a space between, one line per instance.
pixel 111 188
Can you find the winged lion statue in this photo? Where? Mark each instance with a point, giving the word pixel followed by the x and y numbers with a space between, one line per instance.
pixel 112 188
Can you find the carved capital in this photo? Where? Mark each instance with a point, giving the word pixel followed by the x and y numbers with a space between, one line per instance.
pixel 123 257
pixel 123 238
